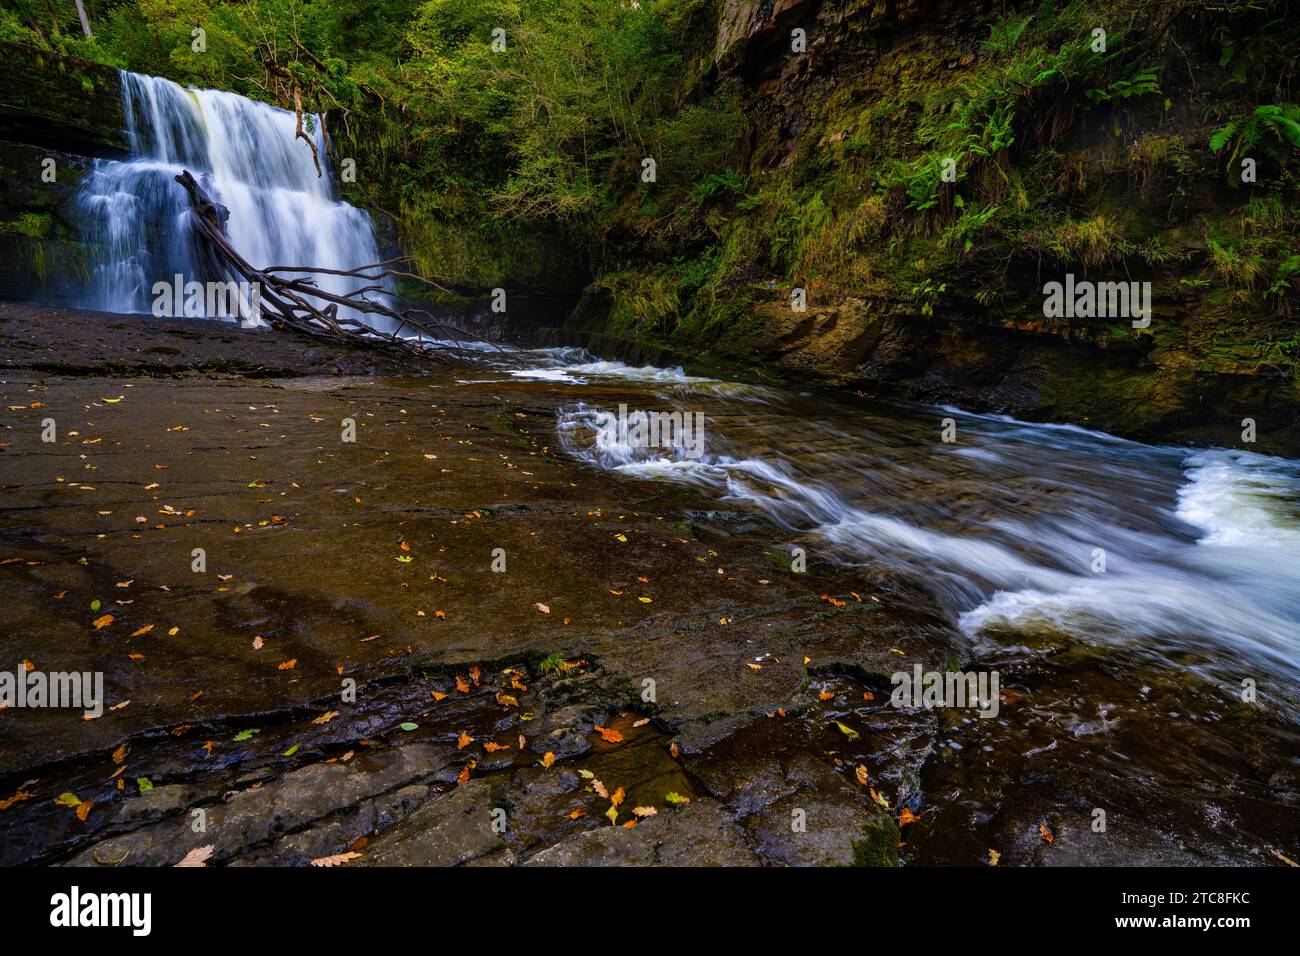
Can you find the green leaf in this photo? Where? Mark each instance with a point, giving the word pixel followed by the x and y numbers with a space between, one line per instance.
pixel 675 798
pixel 292 750
pixel 144 783
pixel 94 605
pixel 408 726
pixel 68 799
pixel 246 735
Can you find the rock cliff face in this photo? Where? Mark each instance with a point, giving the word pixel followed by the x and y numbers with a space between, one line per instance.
pixel 932 291
pixel 56 115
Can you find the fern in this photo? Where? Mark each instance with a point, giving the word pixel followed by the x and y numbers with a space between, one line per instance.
pixel 1275 125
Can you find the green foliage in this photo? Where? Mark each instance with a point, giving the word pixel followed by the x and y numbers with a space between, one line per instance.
pixel 1275 128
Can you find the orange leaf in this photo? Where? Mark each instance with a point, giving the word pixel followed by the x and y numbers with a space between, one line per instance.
pixel 548 760
pixel 143 631
pixel 290 664
pixel 464 741
pixel 462 684
pixel 616 797
pixel 18 797
pixel 608 735
pixel 492 746
pixel 1045 833
pixel 103 621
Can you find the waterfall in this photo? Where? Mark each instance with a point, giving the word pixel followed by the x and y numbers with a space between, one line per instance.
pixel 246 156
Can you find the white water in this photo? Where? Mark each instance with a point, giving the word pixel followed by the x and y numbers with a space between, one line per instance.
pixel 245 154
pixel 1202 548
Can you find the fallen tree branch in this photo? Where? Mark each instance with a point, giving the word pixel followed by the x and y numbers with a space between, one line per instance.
pixel 295 302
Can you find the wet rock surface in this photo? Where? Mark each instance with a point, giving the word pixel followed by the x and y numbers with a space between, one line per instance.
pixel 349 675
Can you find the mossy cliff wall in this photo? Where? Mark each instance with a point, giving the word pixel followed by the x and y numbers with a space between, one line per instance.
pixel 56 115
pixel 1066 161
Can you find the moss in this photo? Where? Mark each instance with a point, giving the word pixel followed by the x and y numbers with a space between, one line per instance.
pixel 879 843
pixel 34 225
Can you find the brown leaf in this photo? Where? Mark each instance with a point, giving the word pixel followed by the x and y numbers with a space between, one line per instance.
pixel 861 773
pixel 120 753
pixel 616 797
pixel 199 856
pixel 337 859
pixel 1045 833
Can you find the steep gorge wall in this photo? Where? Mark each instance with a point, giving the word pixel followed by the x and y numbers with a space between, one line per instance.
pixel 945 304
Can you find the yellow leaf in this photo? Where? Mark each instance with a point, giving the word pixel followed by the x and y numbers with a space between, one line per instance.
pixel 548 759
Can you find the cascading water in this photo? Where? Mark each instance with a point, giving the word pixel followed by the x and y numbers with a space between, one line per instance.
pixel 246 155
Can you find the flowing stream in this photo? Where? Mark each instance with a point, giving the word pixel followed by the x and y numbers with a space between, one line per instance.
pixel 1013 527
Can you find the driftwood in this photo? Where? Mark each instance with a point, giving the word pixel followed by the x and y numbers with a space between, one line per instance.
pixel 295 303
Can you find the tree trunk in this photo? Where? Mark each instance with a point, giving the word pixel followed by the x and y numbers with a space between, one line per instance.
pixel 85 21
